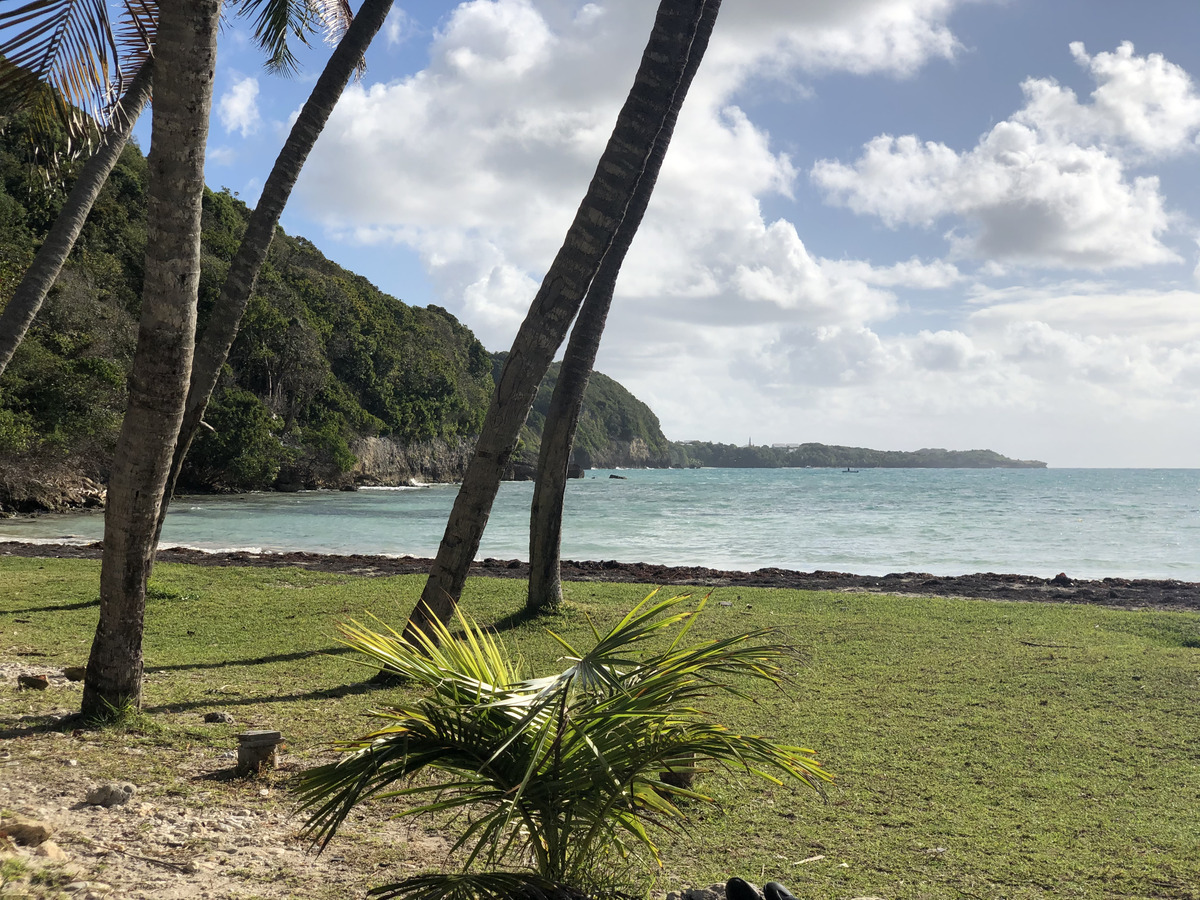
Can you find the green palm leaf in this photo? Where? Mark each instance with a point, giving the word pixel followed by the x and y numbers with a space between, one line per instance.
pixel 276 21
pixel 74 47
pixel 552 772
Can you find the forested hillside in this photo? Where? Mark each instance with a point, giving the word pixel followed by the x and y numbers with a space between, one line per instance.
pixel 326 371
pixel 615 427
pixel 331 381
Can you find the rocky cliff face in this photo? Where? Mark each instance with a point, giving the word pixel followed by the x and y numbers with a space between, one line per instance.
pixel 381 461
pixel 24 489
pixel 385 462
pixel 633 454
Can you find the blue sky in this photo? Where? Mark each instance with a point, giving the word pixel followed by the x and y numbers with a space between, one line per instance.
pixel 890 223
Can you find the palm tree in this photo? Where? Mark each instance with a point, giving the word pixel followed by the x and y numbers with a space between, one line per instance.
pixel 562 418
pixel 553 773
pixel 163 359
pixel 213 348
pixel 625 161
pixel 186 57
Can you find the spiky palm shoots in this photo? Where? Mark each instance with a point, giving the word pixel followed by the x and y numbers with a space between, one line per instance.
pixel 555 772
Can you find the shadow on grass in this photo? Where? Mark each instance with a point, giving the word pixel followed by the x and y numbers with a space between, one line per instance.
pixel 520 618
pixel 256 661
pixel 335 693
pixel 57 607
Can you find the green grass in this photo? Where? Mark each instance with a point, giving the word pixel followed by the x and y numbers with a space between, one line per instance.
pixel 989 750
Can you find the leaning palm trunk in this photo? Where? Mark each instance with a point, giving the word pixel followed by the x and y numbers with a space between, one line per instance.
pixel 213 348
pixel 566 403
pixel 624 163
pixel 186 52
pixel 23 307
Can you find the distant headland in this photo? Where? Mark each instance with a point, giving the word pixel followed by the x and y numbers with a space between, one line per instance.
pixel 813 455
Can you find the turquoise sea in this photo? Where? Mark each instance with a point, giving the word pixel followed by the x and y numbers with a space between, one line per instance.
pixel 1089 523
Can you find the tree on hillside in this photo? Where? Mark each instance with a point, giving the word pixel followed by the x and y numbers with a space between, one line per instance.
pixel 23 306
pixel 626 160
pixel 213 348
pixel 72 47
pixel 68 62
pixel 566 403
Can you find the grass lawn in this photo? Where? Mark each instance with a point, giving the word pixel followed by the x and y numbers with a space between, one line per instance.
pixel 982 749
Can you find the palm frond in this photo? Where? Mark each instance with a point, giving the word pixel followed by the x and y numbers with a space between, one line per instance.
pixel 481 886
pixel 563 768
pixel 73 47
pixel 277 22
pixel 67 44
pixel 64 63
pixel 335 16
pixel 135 33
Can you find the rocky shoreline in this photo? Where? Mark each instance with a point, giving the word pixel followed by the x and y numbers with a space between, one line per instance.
pixel 1165 594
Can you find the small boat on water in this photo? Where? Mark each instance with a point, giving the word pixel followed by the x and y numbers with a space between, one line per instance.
pixel 850 470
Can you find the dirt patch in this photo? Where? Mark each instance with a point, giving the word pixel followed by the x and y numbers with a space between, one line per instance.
pixel 1119 592
pixel 192 829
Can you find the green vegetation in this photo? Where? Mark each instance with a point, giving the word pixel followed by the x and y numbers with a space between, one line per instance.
pixel 558 774
pixel 828 456
pixel 323 357
pixel 615 427
pixel 982 749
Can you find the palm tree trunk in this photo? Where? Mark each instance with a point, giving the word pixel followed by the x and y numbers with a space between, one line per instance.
pixel 213 348
pixel 566 403
pixel 23 307
pixel 186 53
pixel 604 208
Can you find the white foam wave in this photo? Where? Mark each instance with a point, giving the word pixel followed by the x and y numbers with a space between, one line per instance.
pixel 172 545
pixel 396 487
pixel 71 540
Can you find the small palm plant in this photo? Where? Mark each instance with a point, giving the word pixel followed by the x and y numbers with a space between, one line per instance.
pixel 556 773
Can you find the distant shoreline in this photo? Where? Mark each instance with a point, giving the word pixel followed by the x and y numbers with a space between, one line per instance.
pixel 1125 593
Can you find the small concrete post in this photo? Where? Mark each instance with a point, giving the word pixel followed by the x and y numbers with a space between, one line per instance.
pixel 257 751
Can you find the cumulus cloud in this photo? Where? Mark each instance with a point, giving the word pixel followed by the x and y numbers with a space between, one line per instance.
pixel 479 160
pixel 238 107
pixel 398 27
pixel 860 36
pixel 1051 186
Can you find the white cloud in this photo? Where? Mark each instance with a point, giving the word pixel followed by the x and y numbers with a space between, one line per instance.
pixel 1050 186
pixel 1145 102
pixel 398 27
pixel 726 321
pixel 238 107
pixel 480 160
pixel 495 40
pixel 220 156
pixel 859 36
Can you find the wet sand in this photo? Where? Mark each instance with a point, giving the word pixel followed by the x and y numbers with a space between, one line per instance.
pixel 1118 592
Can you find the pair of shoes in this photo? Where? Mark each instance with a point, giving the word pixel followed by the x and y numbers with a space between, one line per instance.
pixel 739 889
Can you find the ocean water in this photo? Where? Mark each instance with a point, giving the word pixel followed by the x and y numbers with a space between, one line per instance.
pixel 1089 523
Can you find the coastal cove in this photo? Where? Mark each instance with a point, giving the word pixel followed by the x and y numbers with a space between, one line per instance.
pixel 1088 523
